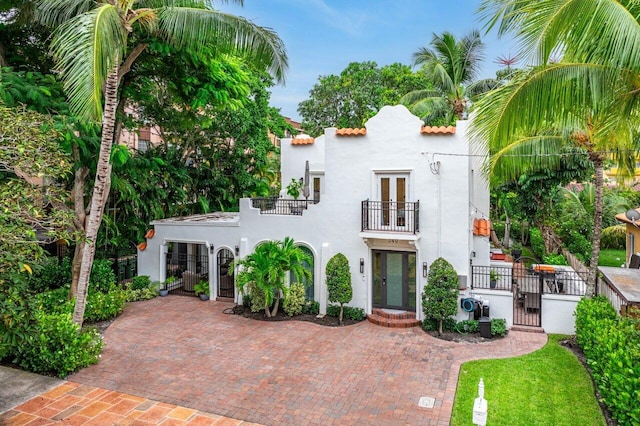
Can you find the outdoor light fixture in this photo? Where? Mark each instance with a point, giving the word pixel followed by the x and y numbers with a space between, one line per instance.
pixel 362 265
pixel 211 248
pixel 424 269
pixel 237 250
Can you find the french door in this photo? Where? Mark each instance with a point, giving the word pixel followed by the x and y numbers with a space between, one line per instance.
pixel 392 192
pixel 394 280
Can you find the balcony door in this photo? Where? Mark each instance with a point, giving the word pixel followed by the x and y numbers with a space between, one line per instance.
pixel 392 192
pixel 394 280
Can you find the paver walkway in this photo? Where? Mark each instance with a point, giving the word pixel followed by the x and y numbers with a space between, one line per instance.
pixel 182 351
pixel 75 404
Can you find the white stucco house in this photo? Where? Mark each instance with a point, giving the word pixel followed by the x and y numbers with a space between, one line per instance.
pixel 392 197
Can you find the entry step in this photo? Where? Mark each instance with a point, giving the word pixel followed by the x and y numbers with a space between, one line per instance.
pixel 393 319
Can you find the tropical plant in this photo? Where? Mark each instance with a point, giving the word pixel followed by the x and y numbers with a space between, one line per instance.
pixel 294 187
pixel 263 272
pixel 295 301
pixel 586 100
pixel 452 65
pixel 201 287
pixel 92 46
pixel 339 286
pixel 440 295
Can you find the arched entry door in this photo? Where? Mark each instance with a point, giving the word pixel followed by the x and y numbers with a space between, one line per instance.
pixel 226 286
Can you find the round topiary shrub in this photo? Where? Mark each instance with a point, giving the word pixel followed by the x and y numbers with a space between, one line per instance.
pixel 440 295
pixel 339 281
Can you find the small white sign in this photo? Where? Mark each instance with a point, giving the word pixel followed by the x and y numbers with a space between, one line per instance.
pixel 426 402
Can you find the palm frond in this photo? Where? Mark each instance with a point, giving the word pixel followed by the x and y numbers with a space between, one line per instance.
pixel 53 13
pixel 195 28
pixel 87 48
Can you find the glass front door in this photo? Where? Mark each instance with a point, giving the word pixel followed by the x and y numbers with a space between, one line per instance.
pixel 394 280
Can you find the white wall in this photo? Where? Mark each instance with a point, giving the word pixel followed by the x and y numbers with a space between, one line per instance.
pixel 393 143
pixel 500 303
pixel 557 313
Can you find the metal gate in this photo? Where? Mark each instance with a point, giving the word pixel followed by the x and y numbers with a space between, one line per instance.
pixel 184 271
pixel 527 297
pixel 225 279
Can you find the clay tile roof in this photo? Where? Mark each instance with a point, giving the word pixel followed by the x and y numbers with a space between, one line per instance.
pixel 351 132
pixel 433 130
pixel 302 141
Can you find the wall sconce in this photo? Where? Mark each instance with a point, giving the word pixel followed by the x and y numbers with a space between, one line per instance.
pixel 361 265
pixel 237 250
pixel 424 269
pixel 211 248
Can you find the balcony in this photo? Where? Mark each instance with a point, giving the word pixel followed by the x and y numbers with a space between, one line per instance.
pixel 280 206
pixel 391 216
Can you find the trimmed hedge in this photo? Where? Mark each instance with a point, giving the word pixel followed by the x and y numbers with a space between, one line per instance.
pixel 611 345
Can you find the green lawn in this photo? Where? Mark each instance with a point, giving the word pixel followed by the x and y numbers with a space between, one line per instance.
pixel 547 387
pixel 611 257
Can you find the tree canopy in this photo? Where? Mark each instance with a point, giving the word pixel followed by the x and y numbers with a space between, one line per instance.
pixel 357 94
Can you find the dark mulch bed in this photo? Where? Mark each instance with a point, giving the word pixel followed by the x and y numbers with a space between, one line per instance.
pixel 326 320
pixel 453 336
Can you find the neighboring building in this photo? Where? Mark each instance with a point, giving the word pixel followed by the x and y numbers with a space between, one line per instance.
pixel 633 234
pixel 392 197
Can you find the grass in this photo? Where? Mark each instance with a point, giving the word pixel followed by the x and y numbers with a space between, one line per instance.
pixel 547 387
pixel 612 257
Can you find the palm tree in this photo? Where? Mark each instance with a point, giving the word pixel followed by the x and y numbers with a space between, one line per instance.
pixel 96 43
pixel 453 67
pixel 588 99
pixel 265 269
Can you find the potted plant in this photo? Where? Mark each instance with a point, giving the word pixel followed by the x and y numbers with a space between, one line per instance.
pixel 202 289
pixel 493 278
pixel 164 289
pixel 294 188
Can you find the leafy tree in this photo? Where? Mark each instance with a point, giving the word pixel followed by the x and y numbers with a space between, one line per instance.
pixel 357 94
pixel 339 281
pixel 587 100
pixel 30 213
pixel 96 43
pixel 440 295
pixel 265 269
pixel 453 67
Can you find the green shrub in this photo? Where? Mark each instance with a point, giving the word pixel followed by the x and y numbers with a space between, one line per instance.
pixel 468 326
pixel 614 237
pixel 51 275
pixel 141 294
pixel 102 275
pixel 295 300
pixel 440 294
pixel 256 297
pixel 55 301
pixel 349 312
pixel 103 306
pixel 498 327
pixel 58 347
pixel 140 282
pixel 537 243
pixel 431 324
pixel 579 246
pixel 554 259
pixel 311 307
pixel 612 348
pixel 499 228
pixel 339 281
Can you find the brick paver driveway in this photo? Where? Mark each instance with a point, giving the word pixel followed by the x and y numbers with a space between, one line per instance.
pixel 182 351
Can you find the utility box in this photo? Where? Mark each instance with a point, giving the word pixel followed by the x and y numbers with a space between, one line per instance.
pixel 485 327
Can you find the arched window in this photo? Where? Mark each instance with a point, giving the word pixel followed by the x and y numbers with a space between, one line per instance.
pixel 309 290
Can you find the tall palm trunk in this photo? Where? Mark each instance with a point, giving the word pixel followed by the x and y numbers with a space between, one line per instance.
pixel 100 193
pixel 597 225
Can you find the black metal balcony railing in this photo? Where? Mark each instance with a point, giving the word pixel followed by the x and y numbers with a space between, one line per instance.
pixel 280 206
pixel 391 216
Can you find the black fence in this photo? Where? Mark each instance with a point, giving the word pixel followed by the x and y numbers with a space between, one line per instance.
pixel 184 271
pixel 538 279
pixel 391 216
pixel 280 206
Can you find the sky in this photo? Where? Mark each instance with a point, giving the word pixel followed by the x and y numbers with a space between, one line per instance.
pixel 323 36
